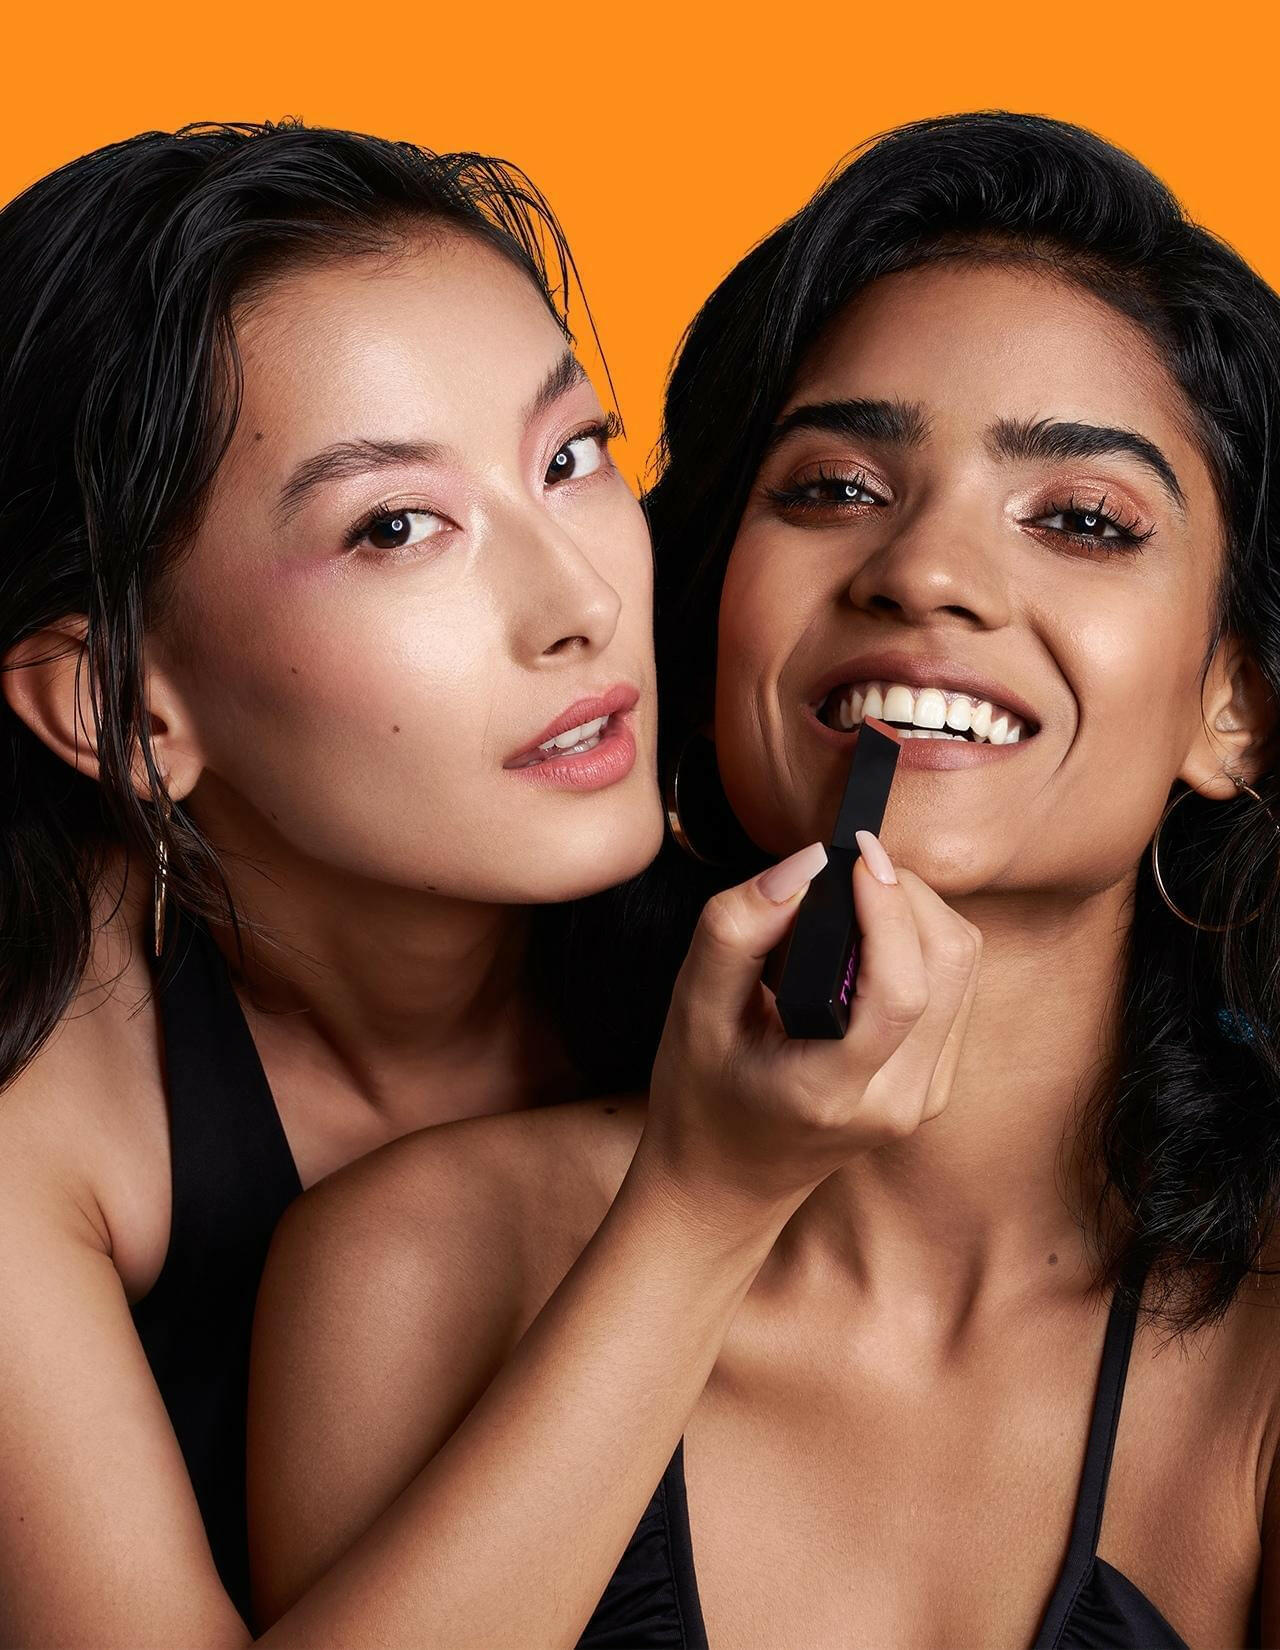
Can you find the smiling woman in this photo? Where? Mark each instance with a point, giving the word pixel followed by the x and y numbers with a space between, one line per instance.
pixel 983 442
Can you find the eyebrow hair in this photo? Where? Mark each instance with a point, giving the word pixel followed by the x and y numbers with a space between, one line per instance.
pixel 354 458
pixel 903 424
pixel 350 458
pixel 564 376
pixel 899 423
pixel 1053 438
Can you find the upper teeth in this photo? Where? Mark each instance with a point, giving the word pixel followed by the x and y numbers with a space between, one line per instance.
pixel 929 708
pixel 574 736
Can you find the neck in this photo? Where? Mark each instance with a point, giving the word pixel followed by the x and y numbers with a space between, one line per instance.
pixel 415 1002
pixel 982 1201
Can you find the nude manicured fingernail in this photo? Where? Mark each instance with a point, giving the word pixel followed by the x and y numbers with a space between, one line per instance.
pixel 784 880
pixel 878 862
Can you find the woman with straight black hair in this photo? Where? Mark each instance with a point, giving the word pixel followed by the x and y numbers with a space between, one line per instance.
pixel 328 682
pixel 982 442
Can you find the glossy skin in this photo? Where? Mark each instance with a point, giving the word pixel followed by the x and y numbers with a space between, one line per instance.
pixel 338 718
pixel 901 1402
pixel 352 706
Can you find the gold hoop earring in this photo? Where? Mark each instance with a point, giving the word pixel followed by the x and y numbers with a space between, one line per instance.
pixel 1206 927
pixel 161 890
pixel 696 752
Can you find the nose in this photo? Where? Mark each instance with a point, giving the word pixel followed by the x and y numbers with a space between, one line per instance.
pixel 562 605
pixel 936 561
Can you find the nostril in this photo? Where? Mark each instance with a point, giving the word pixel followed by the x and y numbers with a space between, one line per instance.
pixel 567 644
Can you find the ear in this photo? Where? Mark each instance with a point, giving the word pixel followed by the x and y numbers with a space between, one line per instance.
pixel 46 683
pixel 1239 723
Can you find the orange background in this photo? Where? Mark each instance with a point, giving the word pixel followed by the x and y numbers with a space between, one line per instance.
pixel 668 137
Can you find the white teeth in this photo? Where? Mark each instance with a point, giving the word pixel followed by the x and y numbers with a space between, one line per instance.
pixel 575 736
pixel 936 713
pixel 898 704
pixel 931 709
pixel 959 714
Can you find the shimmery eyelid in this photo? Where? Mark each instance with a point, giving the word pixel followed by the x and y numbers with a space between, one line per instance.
pixel 791 497
pixel 359 530
pixel 1129 525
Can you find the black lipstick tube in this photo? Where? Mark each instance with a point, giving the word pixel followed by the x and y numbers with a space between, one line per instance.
pixel 815 989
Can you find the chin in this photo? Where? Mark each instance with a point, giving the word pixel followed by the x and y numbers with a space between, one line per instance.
pixel 575 863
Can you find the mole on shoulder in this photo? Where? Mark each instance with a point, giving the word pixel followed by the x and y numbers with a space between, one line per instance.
pixel 611 1111
pixel 395 727
pixel 1053 1260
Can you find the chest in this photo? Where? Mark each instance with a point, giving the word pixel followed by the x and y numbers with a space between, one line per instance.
pixel 908 1510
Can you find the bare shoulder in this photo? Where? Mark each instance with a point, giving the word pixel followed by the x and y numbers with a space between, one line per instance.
pixel 508 1201
pixel 85 1121
pixel 395 1290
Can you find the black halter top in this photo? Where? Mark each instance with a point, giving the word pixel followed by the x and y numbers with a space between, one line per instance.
pixel 652 1601
pixel 233 1175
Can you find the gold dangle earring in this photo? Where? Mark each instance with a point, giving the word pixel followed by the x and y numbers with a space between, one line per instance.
pixel 161 877
pixel 1207 927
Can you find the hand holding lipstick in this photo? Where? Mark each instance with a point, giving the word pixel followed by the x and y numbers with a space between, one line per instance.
pixel 745 1121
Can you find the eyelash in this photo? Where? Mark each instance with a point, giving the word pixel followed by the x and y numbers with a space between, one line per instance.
pixel 605 430
pixel 1128 537
pixel 359 530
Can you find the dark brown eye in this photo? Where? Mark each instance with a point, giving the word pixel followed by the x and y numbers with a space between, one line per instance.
pixel 400 528
pixel 578 457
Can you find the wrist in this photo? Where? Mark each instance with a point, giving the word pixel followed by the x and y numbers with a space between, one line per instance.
pixel 708 1218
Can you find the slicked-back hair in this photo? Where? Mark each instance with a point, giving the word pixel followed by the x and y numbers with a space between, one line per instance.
pixel 120 387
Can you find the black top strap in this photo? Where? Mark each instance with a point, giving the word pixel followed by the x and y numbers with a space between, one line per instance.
pixel 233 1171
pixel 1092 1495
pixel 233 1176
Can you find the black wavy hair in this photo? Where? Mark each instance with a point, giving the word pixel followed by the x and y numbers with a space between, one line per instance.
pixel 120 386
pixel 1183 1127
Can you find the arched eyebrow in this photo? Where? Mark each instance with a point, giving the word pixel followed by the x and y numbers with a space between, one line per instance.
pixel 896 423
pixel 903 424
pixel 567 373
pixel 365 457
pixel 351 458
pixel 1053 438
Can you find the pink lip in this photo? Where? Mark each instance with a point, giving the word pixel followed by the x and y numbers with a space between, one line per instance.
pixel 892 665
pixel 616 702
pixel 608 762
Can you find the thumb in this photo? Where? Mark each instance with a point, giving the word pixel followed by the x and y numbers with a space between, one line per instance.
pixel 739 927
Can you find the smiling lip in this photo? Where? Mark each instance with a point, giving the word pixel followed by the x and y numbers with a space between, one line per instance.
pixel 920 753
pixel 616 702
pixel 890 665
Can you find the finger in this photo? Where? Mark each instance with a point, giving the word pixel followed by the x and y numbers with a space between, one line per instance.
pixel 737 930
pixel 892 990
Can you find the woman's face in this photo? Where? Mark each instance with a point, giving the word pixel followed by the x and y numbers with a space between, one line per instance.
pixel 988 475
pixel 418 566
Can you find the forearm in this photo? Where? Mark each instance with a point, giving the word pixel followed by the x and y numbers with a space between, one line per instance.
pixel 511 1532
